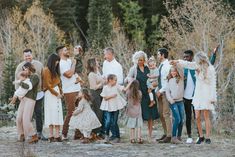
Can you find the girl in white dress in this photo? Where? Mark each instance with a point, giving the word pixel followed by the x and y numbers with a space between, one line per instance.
pixel 205 91
pixel 83 117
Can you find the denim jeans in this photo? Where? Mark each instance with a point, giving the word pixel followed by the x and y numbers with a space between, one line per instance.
pixel 178 118
pixel 110 123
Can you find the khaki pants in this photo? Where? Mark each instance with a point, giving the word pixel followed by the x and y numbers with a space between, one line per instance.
pixel 70 100
pixel 165 114
pixel 24 117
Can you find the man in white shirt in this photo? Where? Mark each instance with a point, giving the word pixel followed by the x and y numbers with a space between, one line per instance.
pixel 112 66
pixel 70 87
pixel 163 104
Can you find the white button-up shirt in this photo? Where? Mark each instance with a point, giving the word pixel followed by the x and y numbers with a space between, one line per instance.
pixel 164 73
pixel 115 68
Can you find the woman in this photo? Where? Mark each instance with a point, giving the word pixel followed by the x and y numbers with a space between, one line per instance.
pixel 139 72
pixel 26 107
pixel 96 82
pixel 205 91
pixel 53 94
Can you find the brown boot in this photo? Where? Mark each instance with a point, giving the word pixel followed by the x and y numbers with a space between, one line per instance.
pixel 159 139
pixel 78 135
pixel 58 139
pixel 34 139
pixel 166 140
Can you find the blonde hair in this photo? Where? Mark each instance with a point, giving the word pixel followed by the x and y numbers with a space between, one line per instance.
pixel 202 60
pixel 137 55
pixel 178 77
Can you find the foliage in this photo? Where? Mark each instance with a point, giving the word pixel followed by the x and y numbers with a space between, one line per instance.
pixel 100 22
pixel 134 23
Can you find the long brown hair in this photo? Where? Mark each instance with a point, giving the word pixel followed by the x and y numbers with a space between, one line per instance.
pixel 86 94
pixel 134 92
pixel 91 65
pixel 169 76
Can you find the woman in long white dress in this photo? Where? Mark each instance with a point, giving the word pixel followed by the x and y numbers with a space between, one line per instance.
pixel 52 100
pixel 205 91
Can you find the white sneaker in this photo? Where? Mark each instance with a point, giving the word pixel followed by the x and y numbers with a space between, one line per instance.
pixel 189 140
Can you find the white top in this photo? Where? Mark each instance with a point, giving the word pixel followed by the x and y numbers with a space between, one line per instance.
pixel 205 89
pixel 112 104
pixel 21 92
pixel 113 67
pixel 164 73
pixel 189 89
pixel 68 84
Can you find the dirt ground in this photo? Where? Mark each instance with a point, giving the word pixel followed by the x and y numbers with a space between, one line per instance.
pixel 220 147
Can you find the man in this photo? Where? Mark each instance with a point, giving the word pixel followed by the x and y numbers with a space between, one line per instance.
pixel 28 57
pixel 189 87
pixel 163 104
pixel 70 87
pixel 112 66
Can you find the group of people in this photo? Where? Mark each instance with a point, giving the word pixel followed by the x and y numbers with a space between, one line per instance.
pixel 146 94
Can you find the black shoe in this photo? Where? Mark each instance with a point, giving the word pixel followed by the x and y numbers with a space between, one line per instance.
pixel 200 140
pixel 208 141
pixel 165 140
pixel 41 137
pixel 163 136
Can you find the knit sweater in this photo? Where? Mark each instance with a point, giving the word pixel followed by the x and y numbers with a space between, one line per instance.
pixel 49 83
pixel 34 79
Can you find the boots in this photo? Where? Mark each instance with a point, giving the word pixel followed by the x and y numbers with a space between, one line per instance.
pixel 175 140
pixel 34 139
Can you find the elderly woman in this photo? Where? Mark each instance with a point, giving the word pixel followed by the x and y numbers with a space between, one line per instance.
pixel 26 107
pixel 139 72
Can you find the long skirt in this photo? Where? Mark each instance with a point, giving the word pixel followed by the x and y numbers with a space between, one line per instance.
pixel 53 109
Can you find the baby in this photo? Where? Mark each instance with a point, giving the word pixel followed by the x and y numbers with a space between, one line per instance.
pixel 21 92
pixel 152 78
pixel 78 67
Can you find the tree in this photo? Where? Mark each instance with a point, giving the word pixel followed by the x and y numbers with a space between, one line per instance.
pixel 134 23
pixel 100 22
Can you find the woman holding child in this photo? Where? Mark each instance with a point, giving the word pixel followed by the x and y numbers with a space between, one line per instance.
pixel 140 72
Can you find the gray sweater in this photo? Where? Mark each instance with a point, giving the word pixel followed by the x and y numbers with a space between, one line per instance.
pixel 174 90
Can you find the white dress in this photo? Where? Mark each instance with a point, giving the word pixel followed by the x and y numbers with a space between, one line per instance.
pixel 205 89
pixel 86 119
pixel 53 109
pixel 113 104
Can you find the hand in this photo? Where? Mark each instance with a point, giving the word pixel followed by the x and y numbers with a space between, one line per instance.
pixel 154 84
pixel 174 62
pixel 59 96
pixel 216 49
pixel 74 62
pixel 159 94
pixel 114 95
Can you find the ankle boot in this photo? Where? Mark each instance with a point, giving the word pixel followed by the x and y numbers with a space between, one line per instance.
pixel 34 139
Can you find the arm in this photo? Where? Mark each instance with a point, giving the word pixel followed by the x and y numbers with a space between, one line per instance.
pixel 18 69
pixel 212 77
pixel 186 64
pixel 164 73
pixel 131 74
pixel 47 81
pixel 213 56
pixel 106 95
pixel 79 109
pixel 68 73
pixel 168 95
pixel 93 82
pixel 120 75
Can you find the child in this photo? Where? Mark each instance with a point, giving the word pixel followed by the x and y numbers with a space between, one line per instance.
pixel 133 111
pixel 22 81
pixel 111 104
pixel 154 73
pixel 174 94
pixel 83 117
pixel 78 67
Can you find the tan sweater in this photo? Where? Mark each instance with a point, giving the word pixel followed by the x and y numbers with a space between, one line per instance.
pixel 49 83
pixel 38 66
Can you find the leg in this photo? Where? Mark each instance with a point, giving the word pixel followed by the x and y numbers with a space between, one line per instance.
pixel 151 97
pixel 114 125
pixel 132 134
pixel 139 133
pixel 198 119
pixel 150 128
pixel 167 115
pixel 57 131
pixel 38 115
pixel 188 113
pixel 19 119
pixel 176 121
pixel 160 108
pixel 27 117
pixel 70 99
pixel 51 131
pixel 181 114
pixel 107 122
pixel 208 123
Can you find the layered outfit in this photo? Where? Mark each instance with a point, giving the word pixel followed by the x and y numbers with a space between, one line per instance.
pixel 52 104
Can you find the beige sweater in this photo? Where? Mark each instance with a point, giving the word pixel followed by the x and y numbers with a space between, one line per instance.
pixel 174 90
pixel 38 66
